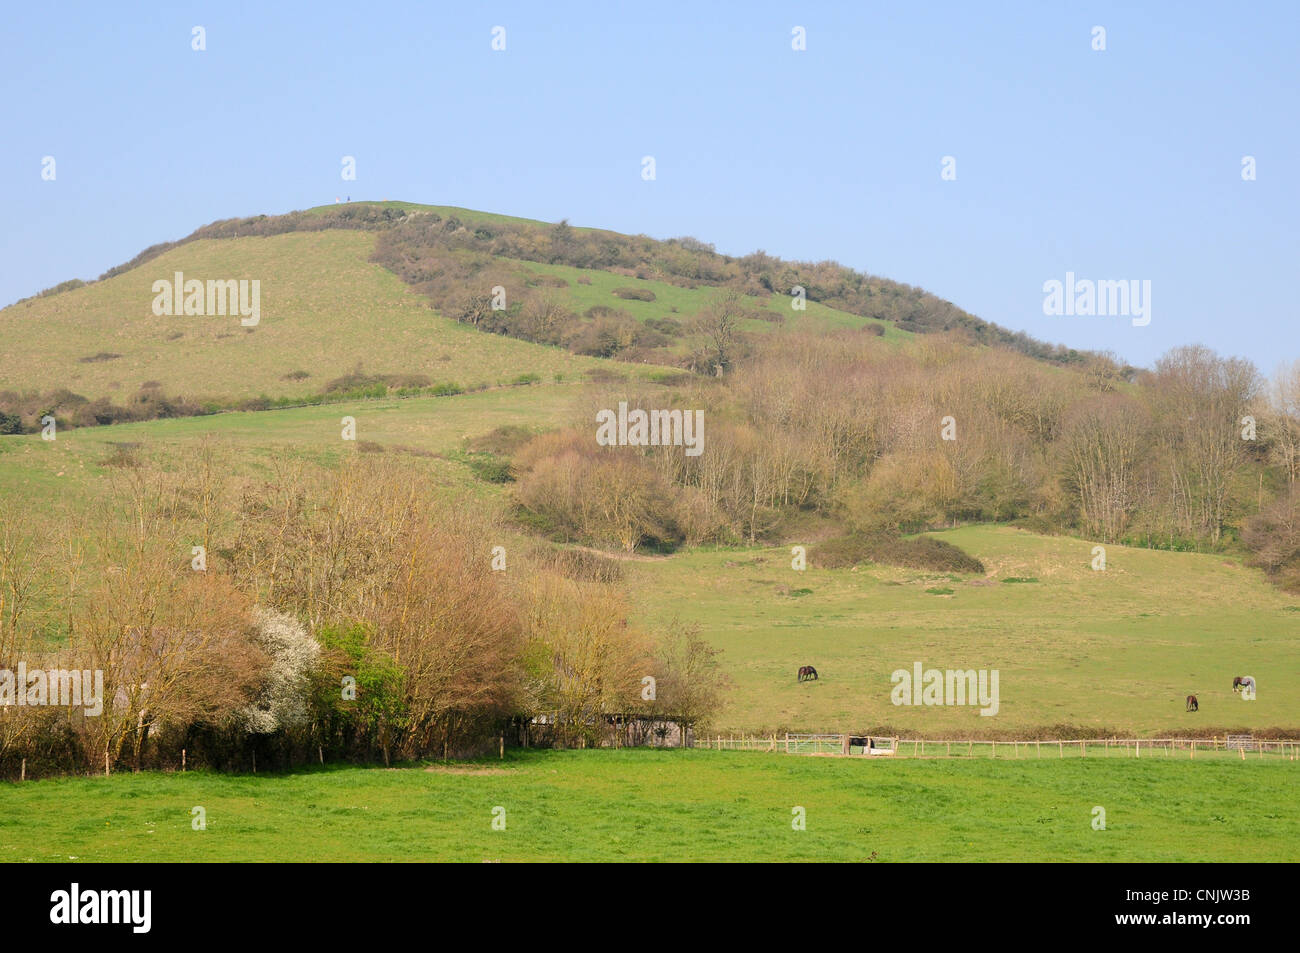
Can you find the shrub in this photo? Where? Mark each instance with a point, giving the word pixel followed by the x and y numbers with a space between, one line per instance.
pixel 492 469
pixel 634 294
pixel 922 552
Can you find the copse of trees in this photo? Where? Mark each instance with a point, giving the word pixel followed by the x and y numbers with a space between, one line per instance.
pixel 343 611
pixel 839 429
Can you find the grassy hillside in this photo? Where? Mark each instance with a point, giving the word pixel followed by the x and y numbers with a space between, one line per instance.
pixel 646 805
pixel 325 309
pixel 67 472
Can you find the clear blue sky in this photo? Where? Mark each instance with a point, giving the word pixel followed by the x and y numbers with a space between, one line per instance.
pixel 1117 164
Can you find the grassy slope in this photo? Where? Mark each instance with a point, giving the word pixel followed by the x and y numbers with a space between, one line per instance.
pixel 70 470
pixel 670 805
pixel 688 301
pixel 1116 649
pixel 324 308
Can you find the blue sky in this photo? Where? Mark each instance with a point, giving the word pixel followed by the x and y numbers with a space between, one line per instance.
pixel 1120 164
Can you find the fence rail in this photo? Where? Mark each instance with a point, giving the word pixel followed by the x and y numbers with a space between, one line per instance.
pixel 1234 746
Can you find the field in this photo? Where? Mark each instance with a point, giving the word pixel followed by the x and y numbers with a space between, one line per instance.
pixel 646 805
pixel 1117 650
pixel 69 470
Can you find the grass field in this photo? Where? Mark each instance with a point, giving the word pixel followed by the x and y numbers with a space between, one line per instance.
pixel 646 805
pixel 70 470
pixel 1119 649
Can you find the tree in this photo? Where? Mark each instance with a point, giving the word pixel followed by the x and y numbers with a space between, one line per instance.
pixel 691 685
pixel 719 324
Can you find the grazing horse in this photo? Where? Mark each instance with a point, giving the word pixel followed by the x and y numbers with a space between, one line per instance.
pixel 806 672
pixel 1243 681
pixel 1192 704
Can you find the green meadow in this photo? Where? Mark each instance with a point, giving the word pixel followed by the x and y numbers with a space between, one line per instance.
pixel 1115 650
pixel 648 805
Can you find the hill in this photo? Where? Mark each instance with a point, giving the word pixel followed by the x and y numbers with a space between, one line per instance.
pixel 345 299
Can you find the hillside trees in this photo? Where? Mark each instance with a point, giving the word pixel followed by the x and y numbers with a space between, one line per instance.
pixel 1199 399
pixel 1105 450
pixel 849 428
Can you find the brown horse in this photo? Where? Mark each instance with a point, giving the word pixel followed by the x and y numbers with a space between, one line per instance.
pixel 807 672
pixel 1192 704
pixel 1242 681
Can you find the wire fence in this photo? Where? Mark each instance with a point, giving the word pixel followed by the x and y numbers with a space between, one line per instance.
pixel 1230 746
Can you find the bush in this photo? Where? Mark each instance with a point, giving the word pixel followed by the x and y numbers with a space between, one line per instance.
pixel 634 294
pixel 492 469
pixel 922 552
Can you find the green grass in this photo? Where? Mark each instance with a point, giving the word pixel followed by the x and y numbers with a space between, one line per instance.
pixel 646 805
pixel 1115 650
pixel 324 308
pixel 689 301
pixel 70 471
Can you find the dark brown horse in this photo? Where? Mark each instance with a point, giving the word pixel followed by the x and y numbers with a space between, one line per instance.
pixel 807 672
pixel 1192 704
pixel 1242 681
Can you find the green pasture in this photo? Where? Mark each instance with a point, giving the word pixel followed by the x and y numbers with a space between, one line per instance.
pixel 647 805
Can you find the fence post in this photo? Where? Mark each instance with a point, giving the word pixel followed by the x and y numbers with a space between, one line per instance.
pixel 182 761
pixel 1083 752
pixel 23 776
pixel 787 742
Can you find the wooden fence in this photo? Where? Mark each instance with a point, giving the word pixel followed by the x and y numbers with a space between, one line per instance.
pixel 1233 746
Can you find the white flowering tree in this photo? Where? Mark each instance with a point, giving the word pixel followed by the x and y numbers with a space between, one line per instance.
pixel 284 702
